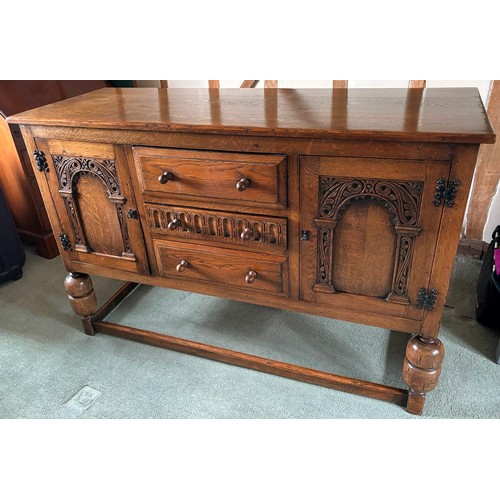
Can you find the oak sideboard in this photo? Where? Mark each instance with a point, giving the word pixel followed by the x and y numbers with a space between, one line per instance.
pixel 344 203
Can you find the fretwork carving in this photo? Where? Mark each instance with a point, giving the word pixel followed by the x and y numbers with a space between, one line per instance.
pixel 69 168
pixel 401 198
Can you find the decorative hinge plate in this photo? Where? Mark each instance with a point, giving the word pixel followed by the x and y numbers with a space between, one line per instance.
pixel 41 161
pixel 65 242
pixel 426 300
pixel 446 193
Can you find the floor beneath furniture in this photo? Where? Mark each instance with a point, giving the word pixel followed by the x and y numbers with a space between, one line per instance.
pixel 50 369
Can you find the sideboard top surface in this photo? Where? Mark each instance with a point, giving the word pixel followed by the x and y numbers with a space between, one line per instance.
pixel 432 115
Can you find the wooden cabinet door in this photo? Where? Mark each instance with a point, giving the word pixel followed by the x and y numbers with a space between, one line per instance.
pixel 91 191
pixel 372 230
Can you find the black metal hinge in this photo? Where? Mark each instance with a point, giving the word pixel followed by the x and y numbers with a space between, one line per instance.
pixel 426 300
pixel 65 242
pixel 445 193
pixel 41 161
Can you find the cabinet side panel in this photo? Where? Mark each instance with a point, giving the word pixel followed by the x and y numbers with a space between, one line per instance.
pixel 462 168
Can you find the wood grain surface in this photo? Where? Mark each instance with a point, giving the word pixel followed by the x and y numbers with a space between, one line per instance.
pixel 223 266
pixel 435 115
pixel 343 188
pixel 202 174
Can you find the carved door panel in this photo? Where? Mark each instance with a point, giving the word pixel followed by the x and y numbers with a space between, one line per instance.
pixel 96 211
pixel 372 230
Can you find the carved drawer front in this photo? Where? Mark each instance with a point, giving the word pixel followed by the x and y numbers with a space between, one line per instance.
pixel 225 227
pixel 211 265
pixel 253 179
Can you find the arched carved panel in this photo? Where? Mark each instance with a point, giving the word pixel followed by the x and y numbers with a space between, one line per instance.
pixel 402 200
pixel 69 169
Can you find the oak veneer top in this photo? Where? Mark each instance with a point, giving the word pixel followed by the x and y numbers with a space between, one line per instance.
pixel 434 115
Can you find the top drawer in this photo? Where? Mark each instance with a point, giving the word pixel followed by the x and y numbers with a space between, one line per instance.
pixel 254 179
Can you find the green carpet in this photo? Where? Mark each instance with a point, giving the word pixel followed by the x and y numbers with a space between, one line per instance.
pixel 50 369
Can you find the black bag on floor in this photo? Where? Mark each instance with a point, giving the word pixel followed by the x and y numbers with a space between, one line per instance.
pixel 12 255
pixel 488 287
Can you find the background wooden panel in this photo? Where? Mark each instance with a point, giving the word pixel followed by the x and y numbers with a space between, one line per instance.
pixel 13 182
pixel 417 84
pixel 21 95
pixel 487 173
pixel 16 174
pixel 249 84
pixel 271 84
pixel 340 84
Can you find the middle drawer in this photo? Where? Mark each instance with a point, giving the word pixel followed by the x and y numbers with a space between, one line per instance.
pixel 258 231
pixel 236 178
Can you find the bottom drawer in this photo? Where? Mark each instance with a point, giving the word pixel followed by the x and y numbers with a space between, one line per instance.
pixel 249 270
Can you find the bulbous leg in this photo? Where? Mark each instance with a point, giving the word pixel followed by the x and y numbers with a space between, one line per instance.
pixel 421 370
pixel 82 298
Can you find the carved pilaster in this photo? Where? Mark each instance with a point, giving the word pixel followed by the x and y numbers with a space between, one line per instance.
pixel 404 255
pixel 74 219
pixel 325 260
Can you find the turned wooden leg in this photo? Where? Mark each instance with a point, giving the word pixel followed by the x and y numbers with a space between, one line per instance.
pixel 421 370
pixel 82 298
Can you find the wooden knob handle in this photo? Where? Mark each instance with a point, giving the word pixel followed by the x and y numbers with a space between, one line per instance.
pixel 165 177
pixel 174 224
pixel 250 277
pixel 182 265
pixel 242 184
pixel 247 234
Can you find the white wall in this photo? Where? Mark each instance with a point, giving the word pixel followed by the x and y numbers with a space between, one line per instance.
pixel 482 85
